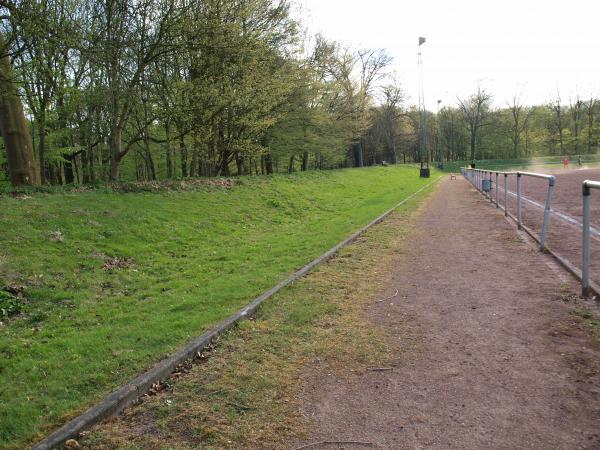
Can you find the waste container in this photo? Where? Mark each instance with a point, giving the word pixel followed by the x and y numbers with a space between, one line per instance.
pixel 424 172
pixel 486 185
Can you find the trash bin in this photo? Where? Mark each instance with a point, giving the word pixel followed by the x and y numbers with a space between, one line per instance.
pixel 486 185
pixel 424 172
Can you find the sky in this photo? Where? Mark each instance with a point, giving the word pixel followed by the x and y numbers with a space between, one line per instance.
pixel 529 48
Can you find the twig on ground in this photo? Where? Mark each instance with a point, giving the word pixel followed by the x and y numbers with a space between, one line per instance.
pixel 242 407
pixel 388 298
pixel 380 369
pixel 314 444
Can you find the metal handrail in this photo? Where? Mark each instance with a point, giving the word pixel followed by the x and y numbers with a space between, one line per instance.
pixel 587 186
pixel 477 175
pixel 536 175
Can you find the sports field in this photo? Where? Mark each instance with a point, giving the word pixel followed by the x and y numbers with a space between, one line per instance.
pixel 564 233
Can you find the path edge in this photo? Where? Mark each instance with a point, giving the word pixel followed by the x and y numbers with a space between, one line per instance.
pixel 118 400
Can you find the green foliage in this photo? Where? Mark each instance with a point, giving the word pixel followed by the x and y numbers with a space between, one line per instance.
pixel 9 304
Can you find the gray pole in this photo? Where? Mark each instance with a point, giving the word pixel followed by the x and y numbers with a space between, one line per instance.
pixel 585 272
pixel 519 200
pixel 506 194
pixel 496 189
pixel 551 183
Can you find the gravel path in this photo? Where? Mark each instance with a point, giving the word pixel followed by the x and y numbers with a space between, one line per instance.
pixel 490 354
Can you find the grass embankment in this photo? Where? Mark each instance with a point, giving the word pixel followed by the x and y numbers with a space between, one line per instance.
pixel 110 283
pixel 245 394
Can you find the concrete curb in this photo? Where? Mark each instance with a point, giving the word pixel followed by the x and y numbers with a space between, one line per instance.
pixel 123 397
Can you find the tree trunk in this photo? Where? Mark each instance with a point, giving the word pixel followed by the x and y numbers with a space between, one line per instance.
pixel 194 165
pixel 358 154
pixel 304 161
pixel 168 150
pixel 42 144
pixel 240 164
pixel 68 167
pixel 117 154
pixel 291 164
pixel 268 164
pixel 150 169
pixel 183 153
pixel 13 126
pixel 473 145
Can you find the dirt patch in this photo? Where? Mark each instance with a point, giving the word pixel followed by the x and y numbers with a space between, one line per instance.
pixel 488 353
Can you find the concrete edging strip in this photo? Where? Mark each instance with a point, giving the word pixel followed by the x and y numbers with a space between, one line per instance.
pixel 124 396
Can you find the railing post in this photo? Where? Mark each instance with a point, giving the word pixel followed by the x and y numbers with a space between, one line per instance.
pixel 497 190
pixel 506 194
pixel 518 200
pixel 585 270
pixel 483 177
pixel 551 183
pixel 491 197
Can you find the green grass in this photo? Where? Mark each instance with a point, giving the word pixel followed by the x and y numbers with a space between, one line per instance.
pixel 244 394
pixel 189 259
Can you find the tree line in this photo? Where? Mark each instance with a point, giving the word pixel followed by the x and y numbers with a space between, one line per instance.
pixel 473 129
pixel 102 90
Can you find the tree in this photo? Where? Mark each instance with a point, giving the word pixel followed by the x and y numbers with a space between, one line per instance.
pixel 475 111
pixel 591 107
pixel 13 126
pixel 576 110
pixel 556 124
pixel 520 116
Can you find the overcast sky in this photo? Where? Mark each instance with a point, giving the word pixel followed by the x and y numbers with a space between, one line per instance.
pixel 510 47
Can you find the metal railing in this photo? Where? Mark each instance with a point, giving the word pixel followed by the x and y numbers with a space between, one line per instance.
pixel 588 185
pixel 477 176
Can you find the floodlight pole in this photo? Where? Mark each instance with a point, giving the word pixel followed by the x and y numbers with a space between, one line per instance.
pixel 424 171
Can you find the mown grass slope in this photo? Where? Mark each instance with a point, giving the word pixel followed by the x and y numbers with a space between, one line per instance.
pixel 110 283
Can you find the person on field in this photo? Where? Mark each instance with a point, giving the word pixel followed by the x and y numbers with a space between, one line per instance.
pixel 565 162
pixel 579 160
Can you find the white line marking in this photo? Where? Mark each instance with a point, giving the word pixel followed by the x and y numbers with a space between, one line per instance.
pixel 563 216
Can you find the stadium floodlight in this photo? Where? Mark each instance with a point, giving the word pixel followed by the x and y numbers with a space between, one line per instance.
pixel 423 151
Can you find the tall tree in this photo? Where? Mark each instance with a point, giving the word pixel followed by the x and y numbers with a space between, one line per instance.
pixel 13 125
pixel 576 109
pixel 557 124
pixel 591 107
pixel 475 111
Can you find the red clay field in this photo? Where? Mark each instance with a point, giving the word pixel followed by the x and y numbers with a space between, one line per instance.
pixel 564 232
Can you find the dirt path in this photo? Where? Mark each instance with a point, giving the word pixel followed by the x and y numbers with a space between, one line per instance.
pixel 490 352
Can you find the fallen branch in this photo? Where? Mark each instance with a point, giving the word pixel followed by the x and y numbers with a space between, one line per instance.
pixel 368 444
pixel 241 407
pixel 380 369
pixel 388 298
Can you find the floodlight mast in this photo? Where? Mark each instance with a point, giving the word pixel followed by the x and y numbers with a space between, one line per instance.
pixel 423 153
